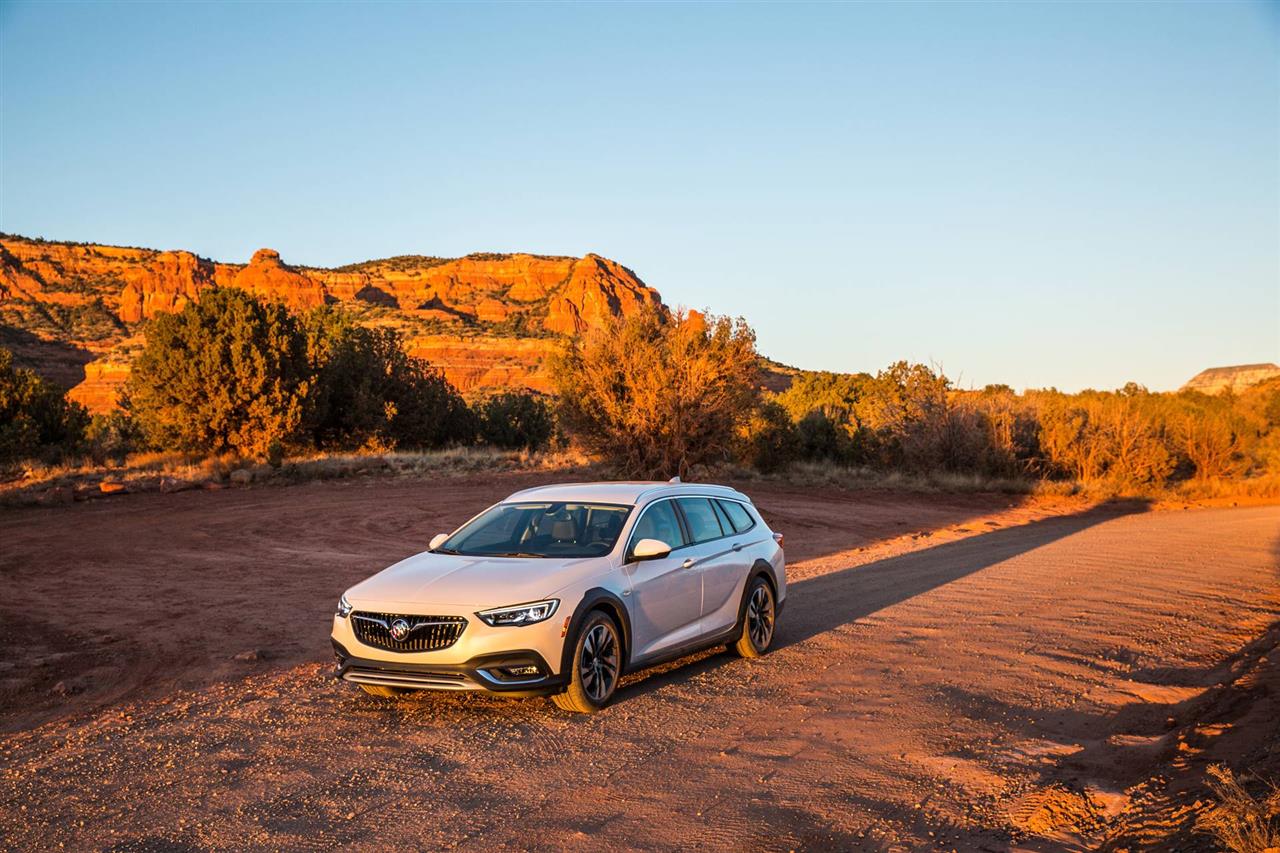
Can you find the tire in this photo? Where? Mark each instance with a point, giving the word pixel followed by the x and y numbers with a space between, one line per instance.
pixel 385 692
pixel 595 668
pixel 759 619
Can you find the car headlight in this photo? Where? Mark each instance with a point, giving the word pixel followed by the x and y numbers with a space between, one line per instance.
pixel 344 607
pixel 520 614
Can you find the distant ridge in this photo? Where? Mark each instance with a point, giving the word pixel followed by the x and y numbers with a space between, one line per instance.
pixel 1235 378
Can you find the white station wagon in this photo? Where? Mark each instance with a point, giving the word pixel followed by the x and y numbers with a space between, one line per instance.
pixel 560 590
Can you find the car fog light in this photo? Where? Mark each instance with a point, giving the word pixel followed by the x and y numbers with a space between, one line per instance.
pixel 520 671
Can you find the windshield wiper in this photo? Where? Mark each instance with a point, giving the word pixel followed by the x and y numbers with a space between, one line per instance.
pixel 520 554
pixel 443 550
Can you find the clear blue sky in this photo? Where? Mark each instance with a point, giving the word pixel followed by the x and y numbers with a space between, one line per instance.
pixel 1063 194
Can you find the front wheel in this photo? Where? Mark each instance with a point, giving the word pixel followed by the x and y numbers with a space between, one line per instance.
pixel 758 620
pixel 596 666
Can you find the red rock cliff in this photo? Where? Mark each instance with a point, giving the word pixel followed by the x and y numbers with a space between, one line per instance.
pixel 484 318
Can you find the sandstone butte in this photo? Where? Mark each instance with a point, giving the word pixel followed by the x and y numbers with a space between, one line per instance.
pixel 76 312
pixel 1235 378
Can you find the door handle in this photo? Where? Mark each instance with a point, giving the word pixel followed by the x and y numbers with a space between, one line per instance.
pixel 737 546
pixel 687 564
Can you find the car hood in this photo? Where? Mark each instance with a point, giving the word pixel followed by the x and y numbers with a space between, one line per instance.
pixel 471 582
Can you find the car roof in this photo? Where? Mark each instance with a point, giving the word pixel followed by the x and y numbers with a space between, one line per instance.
pixel 629 492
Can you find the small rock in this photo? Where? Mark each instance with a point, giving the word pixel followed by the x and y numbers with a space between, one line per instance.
pixel 210 486
pixel 169 485
pixel 112 487
pixel 250 655
pixel 242 477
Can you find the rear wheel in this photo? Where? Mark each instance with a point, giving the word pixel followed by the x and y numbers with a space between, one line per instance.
pixel 758 620
pixel 385 692
pixel 596 666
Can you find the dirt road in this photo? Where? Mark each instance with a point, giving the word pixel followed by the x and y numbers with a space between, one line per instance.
pixel 960 673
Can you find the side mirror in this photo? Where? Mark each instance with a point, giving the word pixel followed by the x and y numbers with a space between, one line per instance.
pixel 650 549
pixel 438 540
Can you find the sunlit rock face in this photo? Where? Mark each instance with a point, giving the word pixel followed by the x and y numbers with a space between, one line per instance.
pixel 486 320
pixel 1236 378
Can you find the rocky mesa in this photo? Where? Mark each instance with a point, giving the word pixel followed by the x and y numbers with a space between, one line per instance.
pixel 77 312
pixel 1236 378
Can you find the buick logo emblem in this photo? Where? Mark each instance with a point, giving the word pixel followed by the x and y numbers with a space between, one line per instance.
pixel 399 630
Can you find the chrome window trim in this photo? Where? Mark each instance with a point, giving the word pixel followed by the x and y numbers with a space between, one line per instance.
pixel 747 509
pixel 680 520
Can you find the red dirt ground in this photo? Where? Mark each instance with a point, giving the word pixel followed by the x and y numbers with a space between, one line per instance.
pixel 955 672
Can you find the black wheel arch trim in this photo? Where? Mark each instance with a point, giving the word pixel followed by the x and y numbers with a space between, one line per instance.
pixel 759 568
pixel 591 600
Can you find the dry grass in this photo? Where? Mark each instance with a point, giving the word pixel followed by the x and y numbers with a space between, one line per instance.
pixel 1264 488
pixel 80 479
pixel 1241 822
pixel 171 472
pixel 853 478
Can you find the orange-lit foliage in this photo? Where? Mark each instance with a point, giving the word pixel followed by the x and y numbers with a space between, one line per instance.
pixel 657 396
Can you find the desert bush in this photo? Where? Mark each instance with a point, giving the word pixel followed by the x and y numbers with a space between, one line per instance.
pixel 367 391
pixel 1241 822
pixel 908 418
pixel 656 396
pixel 112 437
pixel 36 419
pixel 516 421
pixel 767 440
pixel 906 408
pixel 818 438
pixel 227 373
pixel 1096 436
pixel 827 409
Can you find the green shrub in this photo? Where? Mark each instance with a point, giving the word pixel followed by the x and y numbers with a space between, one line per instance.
pixel 36 419
pixel 516 421
pixel 767 440
pixel 227 373
pixel 112 437
pixel 368 391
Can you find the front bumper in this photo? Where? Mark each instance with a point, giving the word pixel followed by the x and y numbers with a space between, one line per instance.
pixel 490 672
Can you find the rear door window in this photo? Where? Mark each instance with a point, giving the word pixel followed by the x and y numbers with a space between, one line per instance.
pixel 738 515
pixel 701 518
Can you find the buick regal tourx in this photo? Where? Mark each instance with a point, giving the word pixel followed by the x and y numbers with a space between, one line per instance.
pixel 558 591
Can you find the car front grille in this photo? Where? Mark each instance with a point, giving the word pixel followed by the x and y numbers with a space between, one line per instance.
pixel 425 633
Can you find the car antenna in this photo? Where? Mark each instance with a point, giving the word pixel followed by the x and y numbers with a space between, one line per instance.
pixel 674 480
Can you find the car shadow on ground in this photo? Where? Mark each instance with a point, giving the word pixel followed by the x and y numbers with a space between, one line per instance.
pixel 825 603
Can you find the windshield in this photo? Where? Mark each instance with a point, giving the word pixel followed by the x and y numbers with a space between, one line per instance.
pixel 540 530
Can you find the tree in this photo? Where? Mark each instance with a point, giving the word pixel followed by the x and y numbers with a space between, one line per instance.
pixel 907 408
pixel 227 373
pixel 657 396
pixel 36 419
pixel 516 420
pixel 367 390
pixel 767 440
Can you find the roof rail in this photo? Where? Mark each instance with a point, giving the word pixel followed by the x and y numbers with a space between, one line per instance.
pixel 676 481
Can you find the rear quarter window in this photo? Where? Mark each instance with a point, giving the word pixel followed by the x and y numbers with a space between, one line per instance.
pixel 737 515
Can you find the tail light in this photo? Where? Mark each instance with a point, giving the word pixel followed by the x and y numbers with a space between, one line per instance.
pixel 778 537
